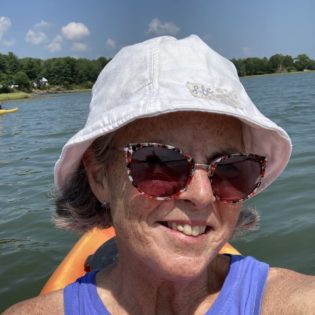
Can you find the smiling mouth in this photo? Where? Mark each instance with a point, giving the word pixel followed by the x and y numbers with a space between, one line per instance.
pixel 187 229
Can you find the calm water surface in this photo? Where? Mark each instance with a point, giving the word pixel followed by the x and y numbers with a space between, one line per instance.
pixel 30 143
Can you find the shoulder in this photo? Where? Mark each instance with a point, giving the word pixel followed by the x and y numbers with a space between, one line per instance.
pixel 51 303
pixel 289 292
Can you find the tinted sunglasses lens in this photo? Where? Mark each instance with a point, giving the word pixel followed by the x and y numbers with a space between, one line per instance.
pixel 158 171
pixel 235 178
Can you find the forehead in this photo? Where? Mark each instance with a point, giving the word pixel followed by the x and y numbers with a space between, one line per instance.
pixel 185 130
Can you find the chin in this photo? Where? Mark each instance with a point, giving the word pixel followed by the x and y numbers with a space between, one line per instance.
pixel 180 268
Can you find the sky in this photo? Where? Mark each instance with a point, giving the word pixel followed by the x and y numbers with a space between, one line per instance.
pixel 94 28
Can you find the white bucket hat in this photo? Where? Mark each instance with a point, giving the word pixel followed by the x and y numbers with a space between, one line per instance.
pixel 164 75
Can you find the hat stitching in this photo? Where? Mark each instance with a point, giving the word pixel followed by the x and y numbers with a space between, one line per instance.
pixel 219 94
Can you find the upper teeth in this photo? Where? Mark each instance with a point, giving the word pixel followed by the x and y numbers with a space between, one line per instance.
pixel 188 229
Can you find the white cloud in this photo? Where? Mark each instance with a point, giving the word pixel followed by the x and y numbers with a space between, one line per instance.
pixel 75 31
pixel 5 24
pixel 156 27
pixel 41 25
pixel 79 47
pixel 34 37
pixel 110 43
pixel 56 44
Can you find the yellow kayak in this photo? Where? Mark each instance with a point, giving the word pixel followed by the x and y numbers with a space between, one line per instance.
pixel 7 111
pixel 94 250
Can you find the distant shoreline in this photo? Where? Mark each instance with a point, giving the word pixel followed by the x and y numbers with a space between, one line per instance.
pixel 277 73
pixel 24 95
pixel 38 93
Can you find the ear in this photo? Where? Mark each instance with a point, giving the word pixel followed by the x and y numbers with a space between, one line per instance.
pixel 96 176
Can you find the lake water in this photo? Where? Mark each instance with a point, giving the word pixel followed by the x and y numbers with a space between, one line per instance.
pixel 30 143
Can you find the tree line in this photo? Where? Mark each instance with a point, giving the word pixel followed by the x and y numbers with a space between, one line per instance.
pixel 275 64
pixel 26 74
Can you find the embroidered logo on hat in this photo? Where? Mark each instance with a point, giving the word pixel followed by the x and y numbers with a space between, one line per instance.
pixel 218 94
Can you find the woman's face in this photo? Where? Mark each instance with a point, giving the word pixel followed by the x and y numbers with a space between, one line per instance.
pixel 148 230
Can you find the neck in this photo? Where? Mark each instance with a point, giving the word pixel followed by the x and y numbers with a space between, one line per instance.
pixel 137 289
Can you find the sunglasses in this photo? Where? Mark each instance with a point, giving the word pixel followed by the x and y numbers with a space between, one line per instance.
pixel 163 172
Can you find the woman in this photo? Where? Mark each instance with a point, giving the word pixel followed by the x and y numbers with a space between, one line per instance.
pixel 171 149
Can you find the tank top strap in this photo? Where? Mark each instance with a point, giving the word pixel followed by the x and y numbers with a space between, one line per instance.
pixel 243 288
pixel 81 297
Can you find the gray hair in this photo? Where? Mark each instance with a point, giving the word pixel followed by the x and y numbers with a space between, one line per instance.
pixel 77 208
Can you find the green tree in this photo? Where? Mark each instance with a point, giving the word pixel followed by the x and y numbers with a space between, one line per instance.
pixel 288 63
pixel 302 62
pixel 3 64
pixel 250 66
pixel 70 71
pixel 101 63
pixel 257 66
pixel 13 64
pixel 32 67
pixel 87 72
pixel 312 65
pixel 61 71
pixel 240 66
pixel 4 84
pixel 276 63
pixel 281 63
pixel 22 80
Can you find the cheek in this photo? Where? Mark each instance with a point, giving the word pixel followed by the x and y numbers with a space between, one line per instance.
pixel 128 206
pixel 229 214
pixel 119 187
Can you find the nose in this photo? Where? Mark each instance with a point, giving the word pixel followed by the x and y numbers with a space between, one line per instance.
pixel 199 191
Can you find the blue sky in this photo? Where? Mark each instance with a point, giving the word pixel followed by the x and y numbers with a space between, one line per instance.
pixel 94 28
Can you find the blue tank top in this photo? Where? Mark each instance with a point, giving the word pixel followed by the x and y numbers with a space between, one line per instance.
pixel 241 294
